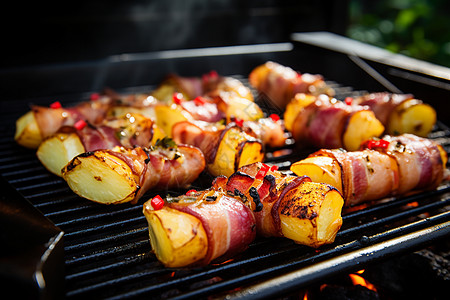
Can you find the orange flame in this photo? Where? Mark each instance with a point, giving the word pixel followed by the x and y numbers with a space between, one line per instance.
pixel 357 279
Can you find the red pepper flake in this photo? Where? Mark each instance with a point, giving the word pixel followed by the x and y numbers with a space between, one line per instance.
pixel 262 172
pixel 200 100
pixel 299 75
pixel 239 122
pixel 191 192
pixel 377 144
pixel 275 117
pixel 177 98
pixel 80 124
pixel 55 105
pixel 94 96
pixel 212 75
pixel 348 100
pixel 274 168
pixel 157 202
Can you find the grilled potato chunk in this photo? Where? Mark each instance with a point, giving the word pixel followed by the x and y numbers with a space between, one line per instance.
pixel 320 169
pixel 101 177
pixel 311 214
pixel 243 109
pixel 362 126
pixel 412 116
pixel 294 107
pixel 177 238
pixel 27 131
pixel 56 151
pixel 235 150
pixel 168 115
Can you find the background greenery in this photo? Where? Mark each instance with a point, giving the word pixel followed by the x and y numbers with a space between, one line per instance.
pixel 417 28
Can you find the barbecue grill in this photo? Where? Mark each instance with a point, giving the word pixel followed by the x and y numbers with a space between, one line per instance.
pixel 80 249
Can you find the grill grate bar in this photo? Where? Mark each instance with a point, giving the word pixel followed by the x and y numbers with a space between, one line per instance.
pixel 115 251
pixel 23 171
pixel 105 240
pixel 108 226
pixel 37 177
pixel 113 267
pixel 393 203
pixel 98 216
pixel 394 217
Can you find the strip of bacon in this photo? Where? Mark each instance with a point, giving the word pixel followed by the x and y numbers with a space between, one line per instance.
pixel 391 166
pixel 228 223
pixel 400 113
pixel 281 83
pixel 122 175
pixel 325 122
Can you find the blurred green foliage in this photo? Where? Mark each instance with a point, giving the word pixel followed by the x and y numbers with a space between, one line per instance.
pixel 417 28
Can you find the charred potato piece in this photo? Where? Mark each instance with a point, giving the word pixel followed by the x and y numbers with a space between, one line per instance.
pixel 236 149
pixel 101 177
pixel 56 151
pixel 320 169
pixel 311 214
pixel 177 238
pixel 27 132
pixel 168 115
pixel 243 109
pixel 412 116
pixel 361 126
pixel 294 107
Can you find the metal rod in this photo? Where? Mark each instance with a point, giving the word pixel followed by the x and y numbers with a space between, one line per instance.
pixel 343 263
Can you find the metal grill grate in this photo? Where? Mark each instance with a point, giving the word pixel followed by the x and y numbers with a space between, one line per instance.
pixel 107 252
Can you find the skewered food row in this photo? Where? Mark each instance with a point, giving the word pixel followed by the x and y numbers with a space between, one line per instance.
pixel 140 120
pixel 124 174
pixel 128 131
pixel 399 113
pixel 324 122
pixel 281 83
pixel 216 223
pixel 391 166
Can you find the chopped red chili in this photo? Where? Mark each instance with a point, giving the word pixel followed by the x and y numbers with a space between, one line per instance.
pixel 95 96
pixel 239 122
pixel 157 202
pixel 177 98
pixel 274 117
pixel 191 192
pixel 200 100
pixel 56 104
pixel 348 100
pixel 262 172
pixel 377 144
pixel 274 168
pixel 80 124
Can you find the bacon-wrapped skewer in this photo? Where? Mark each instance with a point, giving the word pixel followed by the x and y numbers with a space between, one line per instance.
pixel 41 122
pixel 325 122
pixel 209 84
pixel 125 174
pixel 199 228
pixel 385 167
pixel 281 83
pixel 400 113
pixel 226 148
pixel 128 131
pixel 256 197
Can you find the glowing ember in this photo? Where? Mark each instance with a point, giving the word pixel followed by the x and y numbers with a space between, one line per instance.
pixel 358 280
